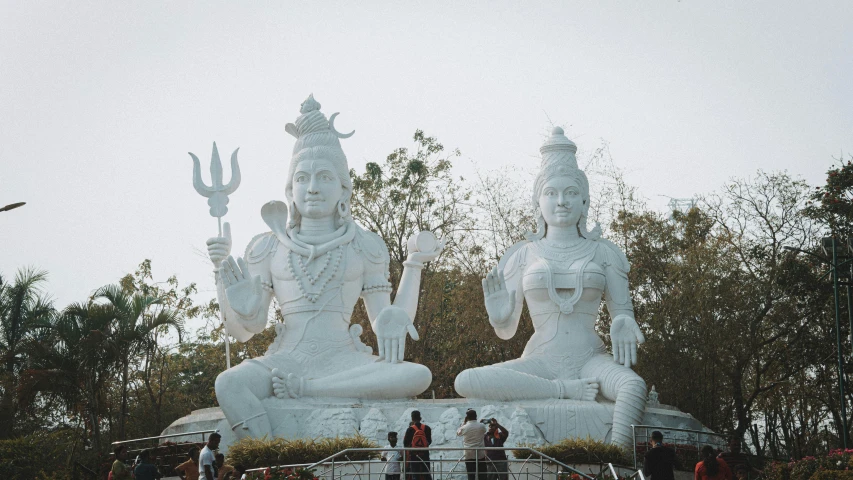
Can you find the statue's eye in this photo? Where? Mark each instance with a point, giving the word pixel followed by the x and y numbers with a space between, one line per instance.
pixel 301 178
pixel 326 177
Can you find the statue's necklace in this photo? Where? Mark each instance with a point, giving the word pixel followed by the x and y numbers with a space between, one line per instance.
pixel 561 251
pixel 579 254
pixel 332 257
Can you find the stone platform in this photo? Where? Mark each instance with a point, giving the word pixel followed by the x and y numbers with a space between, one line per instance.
pixel 537 422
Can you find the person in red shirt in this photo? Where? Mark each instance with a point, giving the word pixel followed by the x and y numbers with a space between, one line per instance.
pixel 711 467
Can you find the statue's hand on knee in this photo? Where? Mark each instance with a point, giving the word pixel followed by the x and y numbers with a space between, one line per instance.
pixel 500 303
pixel 392 325
pixel 625 335
pixel 242 290
pixel 584 389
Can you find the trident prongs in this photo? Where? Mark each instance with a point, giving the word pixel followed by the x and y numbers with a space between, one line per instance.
pixel 217 193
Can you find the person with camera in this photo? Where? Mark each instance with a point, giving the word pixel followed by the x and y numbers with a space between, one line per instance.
pixel 497 461
pixel 472 433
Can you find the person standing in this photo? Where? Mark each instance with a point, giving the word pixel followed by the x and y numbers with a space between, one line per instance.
pixel 189 469
pixel 145 470
pixel 660 460
pixel 207 458
pixel 473 433
pixel 497 461
pixel 711 467
pixel 120 470
pixel 393 456
pixel 735 458
pixel 418 435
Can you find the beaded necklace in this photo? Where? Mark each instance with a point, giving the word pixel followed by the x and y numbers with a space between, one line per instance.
pixel 332 257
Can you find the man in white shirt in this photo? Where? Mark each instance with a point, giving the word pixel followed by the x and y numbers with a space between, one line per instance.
pixel 472 433
pixel 393 457
pixel 207 458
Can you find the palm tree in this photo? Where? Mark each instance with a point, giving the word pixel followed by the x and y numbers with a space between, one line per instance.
pixel 138 320
pixel 23 309
pixel 74 363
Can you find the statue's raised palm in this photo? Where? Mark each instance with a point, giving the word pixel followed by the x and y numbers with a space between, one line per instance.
pixel 242 289
pixel 500 302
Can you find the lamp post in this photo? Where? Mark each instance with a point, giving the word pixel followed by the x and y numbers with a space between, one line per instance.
pixel 12 206
pixel 830 247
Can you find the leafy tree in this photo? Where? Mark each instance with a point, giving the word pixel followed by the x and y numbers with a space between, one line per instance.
pixel 75 364
pixel 23 309
pixel 138 317
pixel 832 203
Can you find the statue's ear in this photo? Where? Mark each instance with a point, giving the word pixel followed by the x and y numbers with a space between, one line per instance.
pixel 274 214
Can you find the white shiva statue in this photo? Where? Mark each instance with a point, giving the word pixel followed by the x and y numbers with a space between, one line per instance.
pixel 316 262
pixel 561 271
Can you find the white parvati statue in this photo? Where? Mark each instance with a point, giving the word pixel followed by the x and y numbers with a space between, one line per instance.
pixel 316 262
pixel 561 271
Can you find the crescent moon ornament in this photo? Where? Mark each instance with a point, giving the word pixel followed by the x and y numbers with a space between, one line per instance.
pixel 332 126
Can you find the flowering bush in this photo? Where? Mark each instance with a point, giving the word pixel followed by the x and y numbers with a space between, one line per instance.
pixel 289 474
pixel 836 465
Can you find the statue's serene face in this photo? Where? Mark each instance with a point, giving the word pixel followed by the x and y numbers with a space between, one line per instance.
pixel 316 188
pixel 561 202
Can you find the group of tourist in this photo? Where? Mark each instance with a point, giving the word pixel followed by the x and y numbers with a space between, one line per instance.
pixel 204 464
pixel 661 460
pixel 484 456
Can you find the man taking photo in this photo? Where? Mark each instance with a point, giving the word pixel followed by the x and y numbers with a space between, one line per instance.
pixel 497 461
pixel 472 433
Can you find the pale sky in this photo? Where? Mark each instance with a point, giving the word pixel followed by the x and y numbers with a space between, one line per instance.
pixel 100 101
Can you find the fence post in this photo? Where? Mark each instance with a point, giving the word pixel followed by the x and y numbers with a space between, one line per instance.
pixel 634 438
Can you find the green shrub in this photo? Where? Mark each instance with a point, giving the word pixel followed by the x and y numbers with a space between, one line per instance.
pixel 265 452
pixel 832 475
pixel 36 456
pixel 778 471
pixel 804 469
pixel 575 450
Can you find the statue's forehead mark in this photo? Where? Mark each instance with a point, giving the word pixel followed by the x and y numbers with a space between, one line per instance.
pixel 314 166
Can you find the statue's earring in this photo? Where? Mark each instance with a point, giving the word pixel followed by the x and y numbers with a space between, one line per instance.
pixel 343 216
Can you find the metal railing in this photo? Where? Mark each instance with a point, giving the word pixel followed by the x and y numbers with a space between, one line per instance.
pixel 169 456
pixel 171 435
pixel 637 474
pixel 701 438
pixel 450 464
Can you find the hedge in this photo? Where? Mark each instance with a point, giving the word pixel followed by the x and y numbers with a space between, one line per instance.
pixel 572 451
pixel 265 452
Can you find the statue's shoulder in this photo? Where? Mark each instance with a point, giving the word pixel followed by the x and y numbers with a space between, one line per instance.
pixel 514 258
pixel 260 247
pixel 613 254
pixel 371 246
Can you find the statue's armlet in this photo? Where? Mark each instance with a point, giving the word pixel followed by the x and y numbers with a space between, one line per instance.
pixel 616 268
pixel 376 261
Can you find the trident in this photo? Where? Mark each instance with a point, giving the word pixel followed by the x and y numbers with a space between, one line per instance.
pixel 217 198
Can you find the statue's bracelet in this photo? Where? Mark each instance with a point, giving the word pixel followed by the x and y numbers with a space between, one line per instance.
pixel 413 264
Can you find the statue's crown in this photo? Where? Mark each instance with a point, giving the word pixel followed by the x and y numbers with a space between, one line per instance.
pixel 312 129
pixel 558 150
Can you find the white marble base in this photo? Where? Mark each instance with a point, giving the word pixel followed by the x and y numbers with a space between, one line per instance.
pixel 537 422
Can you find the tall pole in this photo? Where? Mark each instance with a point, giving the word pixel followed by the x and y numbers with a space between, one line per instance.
pixel 834 267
